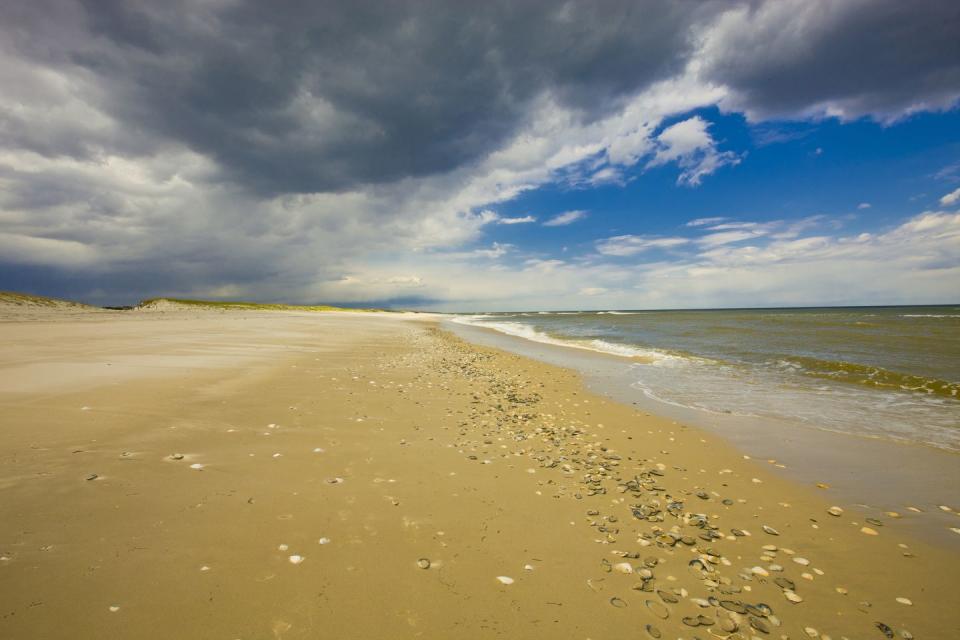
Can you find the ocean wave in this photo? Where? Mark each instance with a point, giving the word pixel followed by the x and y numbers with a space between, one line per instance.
pixel 870 376
pixel 520 330
pixel 930 315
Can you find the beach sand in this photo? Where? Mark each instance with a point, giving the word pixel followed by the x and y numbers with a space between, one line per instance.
pixel 230 475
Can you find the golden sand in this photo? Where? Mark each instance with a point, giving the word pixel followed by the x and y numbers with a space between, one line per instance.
pixel 257 475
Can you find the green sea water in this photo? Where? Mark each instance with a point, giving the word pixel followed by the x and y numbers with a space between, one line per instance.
pixel 890 372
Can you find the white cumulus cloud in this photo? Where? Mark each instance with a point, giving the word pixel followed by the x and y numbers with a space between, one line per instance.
pixel 689 144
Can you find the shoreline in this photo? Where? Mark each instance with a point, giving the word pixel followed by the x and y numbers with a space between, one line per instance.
pixel 879 475
pixel 366 476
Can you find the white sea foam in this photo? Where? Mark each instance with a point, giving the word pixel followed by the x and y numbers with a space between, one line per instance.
pixel 930 315
pixel 517 329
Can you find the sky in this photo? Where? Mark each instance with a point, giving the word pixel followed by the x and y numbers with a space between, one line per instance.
pixel 482 156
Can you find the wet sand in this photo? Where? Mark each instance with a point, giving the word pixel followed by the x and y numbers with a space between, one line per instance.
pixel 283 475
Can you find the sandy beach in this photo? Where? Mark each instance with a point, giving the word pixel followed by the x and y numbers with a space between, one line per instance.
pixel 198 474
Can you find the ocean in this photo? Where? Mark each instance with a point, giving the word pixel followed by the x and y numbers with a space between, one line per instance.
pixel 885 372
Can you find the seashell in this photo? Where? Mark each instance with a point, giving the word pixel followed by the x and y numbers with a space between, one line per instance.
pixel 504 580
pixel 295 559
pixel 792 596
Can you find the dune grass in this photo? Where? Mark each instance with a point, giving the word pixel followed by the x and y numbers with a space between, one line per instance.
pixel 239 305
pixel 28 300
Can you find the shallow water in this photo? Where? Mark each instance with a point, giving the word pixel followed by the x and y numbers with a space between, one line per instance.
pixel 890 372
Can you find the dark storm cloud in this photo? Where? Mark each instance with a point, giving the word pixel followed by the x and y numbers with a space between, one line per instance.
pixel 316 96
pixel 876 57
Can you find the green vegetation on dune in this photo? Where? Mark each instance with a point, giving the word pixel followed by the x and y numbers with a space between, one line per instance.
pixel 28 300
pixel 248 306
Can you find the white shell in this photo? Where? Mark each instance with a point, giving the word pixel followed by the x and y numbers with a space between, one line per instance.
pixel 504 580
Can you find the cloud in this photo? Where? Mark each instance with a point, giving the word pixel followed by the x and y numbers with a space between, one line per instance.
pixel 688 143
pixel 699 222
pixel 734 225
pixel 911 262
pixel 319 96
pixel 951 198
pixel 318 151
pixel 885 58
pixel 592 291
pixel 496 250
pixel 728 237
pixel 523 220
pixel 565 218
pixel 23 249
pixel 864 205
pixel 406 281
pixel 631 245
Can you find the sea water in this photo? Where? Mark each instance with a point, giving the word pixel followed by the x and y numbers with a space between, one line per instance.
pixel 887 372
